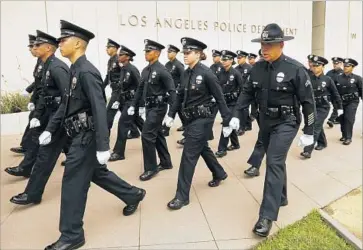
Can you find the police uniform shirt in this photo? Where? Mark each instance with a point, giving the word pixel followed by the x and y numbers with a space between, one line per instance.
pixel 323 86
pixel 245 70
pixel 85 94
pixel 113 72
pixel 334 73
pixel 280 83
pixel 129 78
pixel 176 69
pixel 231 82
pixel 155 81
pixel 216 68
pixel 37 73
pixel 200 86
pixel 348 84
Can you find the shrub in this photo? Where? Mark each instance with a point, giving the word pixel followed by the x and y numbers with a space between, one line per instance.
pixel 13 103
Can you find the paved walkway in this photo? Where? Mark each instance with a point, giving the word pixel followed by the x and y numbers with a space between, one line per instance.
pixel 217 218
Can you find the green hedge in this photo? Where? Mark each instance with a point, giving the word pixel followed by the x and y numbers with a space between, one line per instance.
pixel 13 103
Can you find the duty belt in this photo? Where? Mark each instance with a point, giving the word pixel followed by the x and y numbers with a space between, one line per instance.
pixel 350 96
pixel 201 111
pixel 321 100
pixel 128 95
pixel 52 100
pixel 78 123
pixel 278 112
pixel 156 101
pixel 231 97
pixel 115 85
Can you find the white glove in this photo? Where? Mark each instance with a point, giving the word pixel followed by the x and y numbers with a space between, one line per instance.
pixel 340 112
pixel 168 121
pixel 103 156
pixel 115 105
pixel 305 140
pixel 131 110
pixel 45 138
pixel 234 123
pixel 141 111
pixel 34 123
pixel 227 131
pixel 31 106
pixel 25 93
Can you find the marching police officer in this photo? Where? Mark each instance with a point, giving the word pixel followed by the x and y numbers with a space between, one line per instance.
pixel 217 66
pixel 129 81
pixel 325 92
pixel 230 80
pixel 156 89
pixel 252 59
pixel 31 88
pixel 176 69
pixel 349 86
pixel 83 115
pixel 199 111
pixel 333 74
pixel 280 85
pixel 54 84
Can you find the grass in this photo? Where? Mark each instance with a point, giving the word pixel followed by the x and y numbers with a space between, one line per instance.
pixel 310 233
pixel 13 103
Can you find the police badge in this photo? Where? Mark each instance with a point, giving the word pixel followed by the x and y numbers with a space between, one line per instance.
pixel 231 78
pixel 352 80
pixel 74 82
pixel 153 75
pixel 323 84
pixel 39 68
pixel 198 79
pixel 47 75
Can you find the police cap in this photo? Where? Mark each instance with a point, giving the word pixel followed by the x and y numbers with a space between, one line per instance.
pixel 272 33
pixel 310 57
pixel 45 38
pixel 31 40
pixel 126 51
pixel 319 60
pixel 69 29
pixel 337 59
pixel 192 44
pixel 112 43
pixel 172 48
pixel 227 54
pixel 152 45
pixel 216 53
pixel 242 53
pixel 251 55
pixel 350 62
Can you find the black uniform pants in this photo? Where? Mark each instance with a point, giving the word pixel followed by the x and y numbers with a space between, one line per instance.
pixel 81 168
pixel 259 150
pixel 334 115
pixel 348 118
pixel 44 165
pixel 153 138
pixel 223 141
pixel 124 125
pixel 25 140
pixel 277 140
pixel 322 141
pixel 245 120
pixel 321 114
pixel 197 134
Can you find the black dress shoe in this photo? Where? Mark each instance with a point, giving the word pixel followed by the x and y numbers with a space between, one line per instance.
pixel 231 147
pixel 262 227
pixel 342 139
pixel 252 171
pixel 181 142
pixel 61 245
pixel 306 155
pixel 220 154
pixel 18 150
pixel 23 199
pixel 147 175
pixel 130 136
pixel 240 132
pixel 131 208
pixel 176 204
pixel 180 129
pixel 347 142
pixel 330 124
pixel 116 157
pixel 216 181
pixel 161 167
pixel 17 171
pixel 319 147
pixel 284 203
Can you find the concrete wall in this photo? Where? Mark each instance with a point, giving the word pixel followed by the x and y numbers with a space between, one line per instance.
pixel 318 29
pixel 220 24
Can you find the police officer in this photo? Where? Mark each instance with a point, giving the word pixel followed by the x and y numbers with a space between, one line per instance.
pixel 217 66
pixel 83 115
pixel 280 85
pixel 231 82
pixel 349 86
pixel 156 89
pixel 176 69
pixel 325 92
pixel 129 81
pixel 333 74
pixel 31 88
pixel 195 104
pixel 54 83
pixel 252 59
